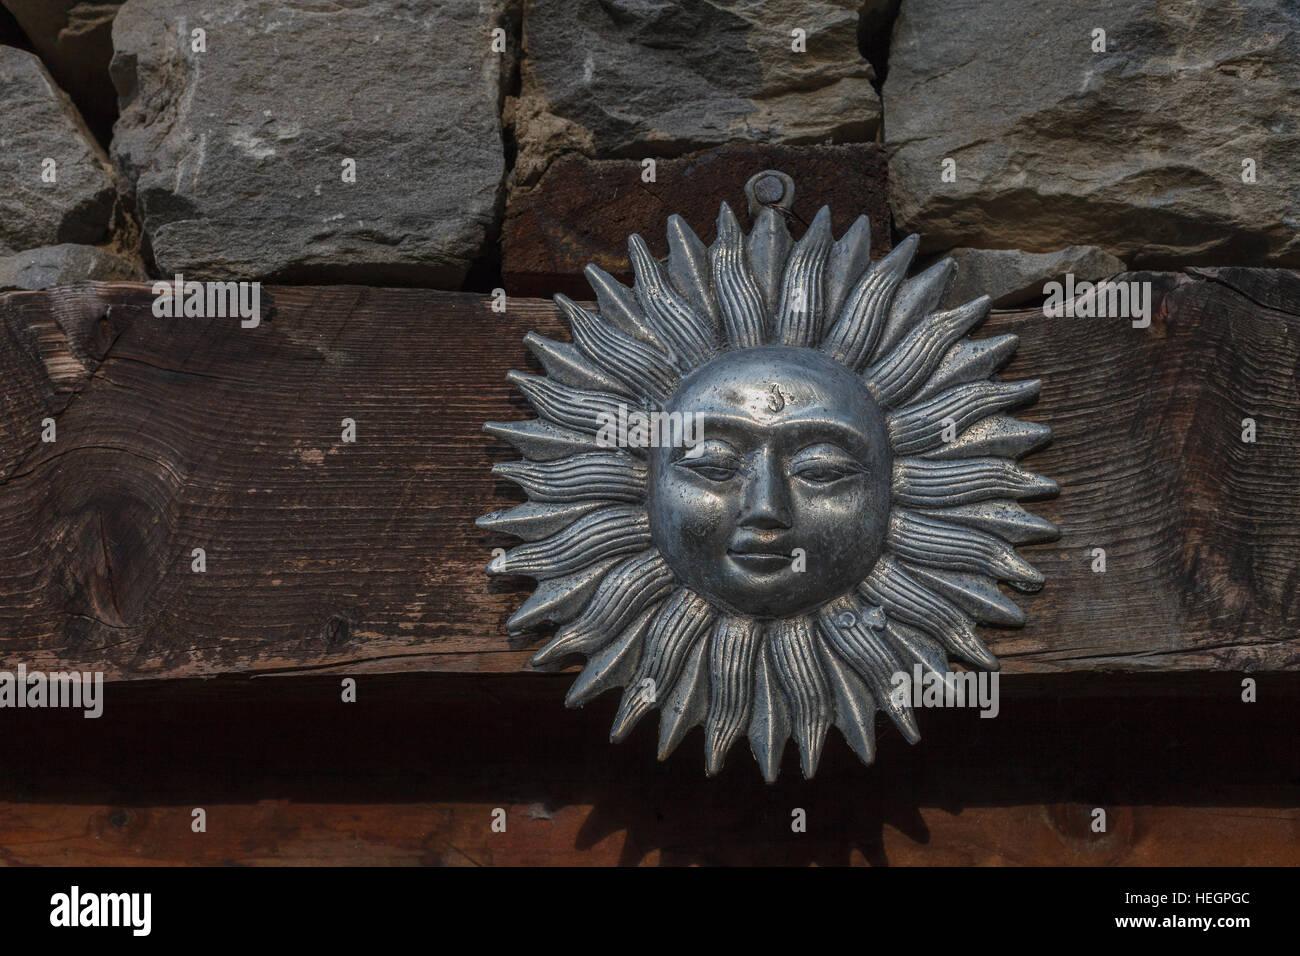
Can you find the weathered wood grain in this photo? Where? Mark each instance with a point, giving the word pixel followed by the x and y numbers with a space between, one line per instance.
pixel 582 210
pixel 286 833
pixel 175 434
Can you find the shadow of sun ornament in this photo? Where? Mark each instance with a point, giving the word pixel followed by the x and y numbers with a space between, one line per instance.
pixel 767 480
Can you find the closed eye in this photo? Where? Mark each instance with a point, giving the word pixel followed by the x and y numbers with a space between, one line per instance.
pixel 713 459
pixel 824 464
pixel 824 474
pixel 714 472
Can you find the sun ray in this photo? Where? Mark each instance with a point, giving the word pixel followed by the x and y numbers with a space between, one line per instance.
pixel 541 441
pixel 768 247
pixel 903 598
pixel 682 620
pixel 1006 519
pixel 855 708
pixel 686 334
pixel 850 258
pixel 998 435
pixel 532 520
pixel 769 723
pixel 794 662
pixel 573 408
pixel 607 533
pixel 799 313
pixel 917 298
pixel 595 475
pixel 732 648
pixel 912 644
pixel 558 599
pixel 618 305
pixel 635 584
pixel 932 543
pixel 567 365
pixel 969 360
pixel 976 594
pixel 934 484
pixel 739 299
pixel 920 428
pixel 853 337
pixel 844 624
pixel 688 703
pixel 688 269
pixel 899 374
pixel 894 588
pixel 612 666
pixel 639 369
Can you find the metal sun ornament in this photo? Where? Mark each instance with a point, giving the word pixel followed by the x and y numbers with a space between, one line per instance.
pixel 844 511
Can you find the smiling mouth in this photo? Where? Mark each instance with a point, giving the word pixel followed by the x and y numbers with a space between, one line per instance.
pixel 760 560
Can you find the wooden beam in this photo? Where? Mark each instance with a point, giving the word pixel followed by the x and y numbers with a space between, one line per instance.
pixel 287 779
pixel 325 556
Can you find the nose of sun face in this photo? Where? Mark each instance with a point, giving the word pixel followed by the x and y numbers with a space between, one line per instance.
pixel 765 499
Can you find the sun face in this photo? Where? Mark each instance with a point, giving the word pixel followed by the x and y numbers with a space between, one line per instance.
pixel 766 480
pixel 782 504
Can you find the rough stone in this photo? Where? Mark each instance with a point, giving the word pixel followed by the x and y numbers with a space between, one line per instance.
pixel 235 157
pixel 56 265
pixel 38 123
pixel 1138 149
pixel 625 78
pixel 583 210
pixel 75 40
pixel 1013 277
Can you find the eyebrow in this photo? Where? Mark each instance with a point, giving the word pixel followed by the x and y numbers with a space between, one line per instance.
pixel 853 439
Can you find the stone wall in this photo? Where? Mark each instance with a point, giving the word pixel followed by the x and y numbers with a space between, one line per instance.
pixel 504 143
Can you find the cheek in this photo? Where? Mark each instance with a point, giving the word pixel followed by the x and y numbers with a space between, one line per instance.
pixel 689 515
pixel 841 518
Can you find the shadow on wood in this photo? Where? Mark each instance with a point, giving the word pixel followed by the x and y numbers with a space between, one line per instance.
pixel 411 774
